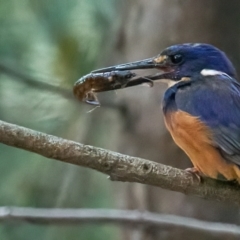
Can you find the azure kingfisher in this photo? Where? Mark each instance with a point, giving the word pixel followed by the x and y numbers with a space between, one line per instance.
pixel 201 106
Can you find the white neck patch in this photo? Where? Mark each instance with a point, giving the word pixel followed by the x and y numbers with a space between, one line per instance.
pixel 211 72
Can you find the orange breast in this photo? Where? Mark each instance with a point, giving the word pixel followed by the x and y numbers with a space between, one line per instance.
pixel 195 139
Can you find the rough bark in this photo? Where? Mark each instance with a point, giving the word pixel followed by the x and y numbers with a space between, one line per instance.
pixel 118 166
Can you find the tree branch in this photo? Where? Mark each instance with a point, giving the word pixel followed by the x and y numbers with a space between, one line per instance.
pixel 125 217
pixel 118 166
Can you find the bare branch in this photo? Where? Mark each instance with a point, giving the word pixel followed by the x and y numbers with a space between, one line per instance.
pixel 118 166
pixel 125 217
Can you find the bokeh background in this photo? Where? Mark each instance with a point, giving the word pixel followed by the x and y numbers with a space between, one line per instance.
pixel 45 46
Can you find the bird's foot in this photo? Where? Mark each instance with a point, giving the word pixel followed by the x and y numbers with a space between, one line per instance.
pixel 195 172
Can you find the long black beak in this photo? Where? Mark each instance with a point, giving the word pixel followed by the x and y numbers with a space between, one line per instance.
pixel 120 76
pixel 158 62
pixel 143 64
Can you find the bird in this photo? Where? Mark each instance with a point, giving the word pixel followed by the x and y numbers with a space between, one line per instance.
pixel 201 105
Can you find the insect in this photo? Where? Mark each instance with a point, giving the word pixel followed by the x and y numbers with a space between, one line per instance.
pixel 86 87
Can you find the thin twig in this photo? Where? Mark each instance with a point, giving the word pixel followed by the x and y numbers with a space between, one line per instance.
pixel 118 166
pixel 129 218
pixel 16 74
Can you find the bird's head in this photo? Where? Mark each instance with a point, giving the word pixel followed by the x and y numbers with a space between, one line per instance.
pixel 183 61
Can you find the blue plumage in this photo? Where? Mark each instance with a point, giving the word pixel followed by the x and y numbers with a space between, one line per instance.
pixel 196 57
pixel 211 95
pixel 216 101
pixel 201 106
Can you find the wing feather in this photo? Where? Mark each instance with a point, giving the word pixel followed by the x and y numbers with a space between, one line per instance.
pixel 216 101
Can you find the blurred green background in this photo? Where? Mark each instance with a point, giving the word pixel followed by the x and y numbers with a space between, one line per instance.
pixel 54 43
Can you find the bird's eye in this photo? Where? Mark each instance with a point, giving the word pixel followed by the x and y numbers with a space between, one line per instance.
pixel 176 58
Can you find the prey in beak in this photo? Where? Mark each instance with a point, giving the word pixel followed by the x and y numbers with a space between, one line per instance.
pixel 122 76
pixel 161 62
pixel 182 62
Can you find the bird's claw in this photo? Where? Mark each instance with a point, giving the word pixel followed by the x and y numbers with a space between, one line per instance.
pixel 195 172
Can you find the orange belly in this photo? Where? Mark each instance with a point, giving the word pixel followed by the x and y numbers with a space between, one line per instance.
pixel 194 138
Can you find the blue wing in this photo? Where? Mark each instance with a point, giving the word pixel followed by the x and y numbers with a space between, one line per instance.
pixel 216 101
